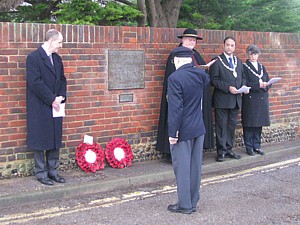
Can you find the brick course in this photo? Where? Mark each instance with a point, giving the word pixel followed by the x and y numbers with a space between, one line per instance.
pixel 94 110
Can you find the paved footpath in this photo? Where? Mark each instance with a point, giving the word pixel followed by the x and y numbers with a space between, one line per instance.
pixel 28 189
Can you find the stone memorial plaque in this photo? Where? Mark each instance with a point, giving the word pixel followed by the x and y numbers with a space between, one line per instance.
pixel 125 98
pixel 126 69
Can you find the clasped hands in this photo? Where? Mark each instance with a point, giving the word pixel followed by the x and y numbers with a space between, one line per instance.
pixel 56 103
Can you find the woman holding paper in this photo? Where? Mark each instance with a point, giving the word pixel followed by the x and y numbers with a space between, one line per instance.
pixel 255 105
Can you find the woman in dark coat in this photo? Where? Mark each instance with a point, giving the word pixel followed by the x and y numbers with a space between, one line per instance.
pixel 255 105
pixel 189 40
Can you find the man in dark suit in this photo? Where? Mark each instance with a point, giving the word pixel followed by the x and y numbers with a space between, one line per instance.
pixel 186 128
pixel 189 39
pixel 226 77
pixel 45 91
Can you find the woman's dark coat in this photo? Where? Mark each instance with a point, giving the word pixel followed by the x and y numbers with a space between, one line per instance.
pixel 162 134
pixel 44 82
pixel 255 105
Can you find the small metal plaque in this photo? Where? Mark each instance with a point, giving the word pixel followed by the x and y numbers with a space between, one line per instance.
pixel 126 98
pixel 126 69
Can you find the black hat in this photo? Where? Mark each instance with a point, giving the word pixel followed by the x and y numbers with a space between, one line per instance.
pixel 190 33
pixel 182 52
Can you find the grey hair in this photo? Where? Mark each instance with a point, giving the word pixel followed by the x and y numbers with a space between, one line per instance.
pixel 252 49
pixel 52 33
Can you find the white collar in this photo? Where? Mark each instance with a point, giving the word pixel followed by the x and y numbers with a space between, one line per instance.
pixel 228 56
pixel 47 52
pixel 255 64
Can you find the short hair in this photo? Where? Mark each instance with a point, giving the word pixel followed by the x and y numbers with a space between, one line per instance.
pixel 252 49
pixel 52 33
pixel 229 37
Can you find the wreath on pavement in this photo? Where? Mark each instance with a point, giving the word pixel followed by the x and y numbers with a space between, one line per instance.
pixel 118 153
pixel 90 158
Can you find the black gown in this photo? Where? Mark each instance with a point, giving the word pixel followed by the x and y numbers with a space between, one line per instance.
pixel 162 144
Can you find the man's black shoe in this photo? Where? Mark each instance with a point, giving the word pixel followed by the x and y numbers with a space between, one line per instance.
pixel 58 179
pixel 232 155
pixel 220 158
pixel 250 152
pixel 194 209
pixel 175 208
pixel 259 151
pixel 45 180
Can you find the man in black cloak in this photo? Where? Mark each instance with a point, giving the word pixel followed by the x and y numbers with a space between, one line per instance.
pixel 189 40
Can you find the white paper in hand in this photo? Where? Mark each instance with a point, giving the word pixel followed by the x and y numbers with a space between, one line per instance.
pixel 61 112
pixel 208 64
pixel 243 89
pixel 273 80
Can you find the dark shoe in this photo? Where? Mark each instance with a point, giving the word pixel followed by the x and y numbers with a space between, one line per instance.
pixel 45 180
pixel 232 155
pixel 175 208
pixel 220 158
pixel 194 209
pixel 259 151
pixel 58 179
pixel 250 152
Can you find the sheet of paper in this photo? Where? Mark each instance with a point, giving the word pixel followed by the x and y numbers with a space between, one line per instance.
pixel 208 64
pixel 88 139
pixel 243 89
pixel 273 80
pixel 61 112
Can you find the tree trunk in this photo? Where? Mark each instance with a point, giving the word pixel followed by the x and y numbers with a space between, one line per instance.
pixel 141 5
pixel 163 13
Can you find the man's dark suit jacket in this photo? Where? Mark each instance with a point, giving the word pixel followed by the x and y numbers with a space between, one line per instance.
pixel 221 79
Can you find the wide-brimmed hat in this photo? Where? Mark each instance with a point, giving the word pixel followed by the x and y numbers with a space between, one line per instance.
pixel 189 32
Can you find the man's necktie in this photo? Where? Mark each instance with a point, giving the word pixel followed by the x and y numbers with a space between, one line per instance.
pixel 51 60
pixel 230 63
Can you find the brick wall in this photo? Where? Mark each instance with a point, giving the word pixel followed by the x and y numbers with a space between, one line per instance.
pixel 94 110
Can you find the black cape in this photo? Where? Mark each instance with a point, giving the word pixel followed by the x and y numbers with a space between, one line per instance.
pixel 162 144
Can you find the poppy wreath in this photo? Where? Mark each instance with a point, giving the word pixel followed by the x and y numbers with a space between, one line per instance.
pixel 118 153
pixel 90 158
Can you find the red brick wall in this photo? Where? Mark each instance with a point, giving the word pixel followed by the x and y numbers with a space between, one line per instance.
pixel 94 110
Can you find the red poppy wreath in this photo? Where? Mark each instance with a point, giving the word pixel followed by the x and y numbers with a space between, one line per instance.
pixel 118 153
pixel 90 158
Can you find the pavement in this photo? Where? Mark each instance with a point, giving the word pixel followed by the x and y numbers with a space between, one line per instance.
pixel 27 189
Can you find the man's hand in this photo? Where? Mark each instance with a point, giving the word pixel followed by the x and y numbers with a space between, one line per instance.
pixel 173 141
pixel 233 90
pixel 57 102
pixel 263 84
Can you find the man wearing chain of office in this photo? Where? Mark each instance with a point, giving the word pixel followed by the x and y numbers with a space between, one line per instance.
pixel 226 77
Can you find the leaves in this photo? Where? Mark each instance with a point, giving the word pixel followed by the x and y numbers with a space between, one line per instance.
pixel 255 15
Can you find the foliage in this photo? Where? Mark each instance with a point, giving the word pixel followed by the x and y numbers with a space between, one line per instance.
pixel 255 15
pixel 92 13
pixel 78 12
pixel 86 12
pixel 36 11
pixel 115 14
